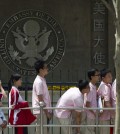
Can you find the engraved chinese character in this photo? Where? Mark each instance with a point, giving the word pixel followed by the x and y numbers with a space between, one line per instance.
pixel 99 41
pixel 99 8
pixel 99 58
pixel 99 25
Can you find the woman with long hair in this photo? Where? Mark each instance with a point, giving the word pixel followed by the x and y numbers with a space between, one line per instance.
pixel 18 116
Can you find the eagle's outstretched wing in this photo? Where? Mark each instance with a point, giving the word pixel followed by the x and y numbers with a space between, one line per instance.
pixel 43 41
pixel 19 41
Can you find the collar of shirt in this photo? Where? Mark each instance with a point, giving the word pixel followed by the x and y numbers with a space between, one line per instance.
pixel 106 84
pixel 41 77
pixel 93 86
pixel 15 88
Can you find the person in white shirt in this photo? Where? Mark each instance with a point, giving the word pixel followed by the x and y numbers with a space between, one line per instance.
pixel 113 97
pixel 91 100
pixel 104 91
pixel 40 93
pixel 72 98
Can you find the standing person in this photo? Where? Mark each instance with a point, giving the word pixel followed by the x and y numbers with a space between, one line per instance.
pixel 113 96
pixel 18 116
pixel 3 121
pixel 72 98
pixel 104 91
pixel 2 91
pixel 40 93
pixel 91 100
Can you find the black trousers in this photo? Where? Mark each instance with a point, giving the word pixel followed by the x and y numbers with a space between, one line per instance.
pixel 25 130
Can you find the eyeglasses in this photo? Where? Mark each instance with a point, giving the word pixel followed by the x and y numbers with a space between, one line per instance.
pixel 97 75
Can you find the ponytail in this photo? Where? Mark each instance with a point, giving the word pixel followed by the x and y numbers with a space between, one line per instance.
pixel 9 85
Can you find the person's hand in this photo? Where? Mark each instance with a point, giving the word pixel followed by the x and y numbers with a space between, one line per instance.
pixel 100 114
pixel 12 106
pixel 4 124
pixel 112 121
pixel 77 131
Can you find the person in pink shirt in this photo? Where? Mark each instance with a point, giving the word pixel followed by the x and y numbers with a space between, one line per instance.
pixel 72 98
pixel 40 93
pixel 91 100
pixel 104 91
pixel 113 96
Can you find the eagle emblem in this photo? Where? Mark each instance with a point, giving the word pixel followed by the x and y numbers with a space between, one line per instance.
pixel 31 41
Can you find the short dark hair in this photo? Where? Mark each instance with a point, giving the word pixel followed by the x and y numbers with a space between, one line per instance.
pixel 104 72
pixel 39 65
pixel 82 84
pixel 92 72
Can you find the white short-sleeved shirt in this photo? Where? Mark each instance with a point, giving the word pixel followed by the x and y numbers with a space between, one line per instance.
pixel 104 91
pixel 40 88
pixel 92 98
pixel 72 98
pixel 113 94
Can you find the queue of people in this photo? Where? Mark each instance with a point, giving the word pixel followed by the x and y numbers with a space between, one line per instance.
pixel 76 99
pixel 106 91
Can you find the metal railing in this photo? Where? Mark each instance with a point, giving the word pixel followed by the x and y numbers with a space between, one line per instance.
pixel 41 125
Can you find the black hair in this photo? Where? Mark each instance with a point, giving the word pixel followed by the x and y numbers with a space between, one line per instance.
pixel 104 72
pixel 92 72
pixel 82 84
pixel 14 77
pixel 39 65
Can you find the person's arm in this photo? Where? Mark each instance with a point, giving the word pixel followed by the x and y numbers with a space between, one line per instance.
pixel 14 99
pixel 89 98
pixel 107 104
pixel 3 116
pixel 3 91
pixel 4 124
pixel 107 94
pixel 40 98
pixel 3 120
pixel 78 121
pixel 106 98
pixel 88 105
pixel 39 89
pixel 78 103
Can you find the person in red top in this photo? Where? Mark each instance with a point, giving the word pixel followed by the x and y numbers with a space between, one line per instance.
pixel 18 116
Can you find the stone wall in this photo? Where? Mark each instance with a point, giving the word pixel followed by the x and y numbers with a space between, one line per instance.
pixel 75 20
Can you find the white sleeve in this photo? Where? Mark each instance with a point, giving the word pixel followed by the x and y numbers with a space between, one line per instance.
pixel 39 88
pixel 78 103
